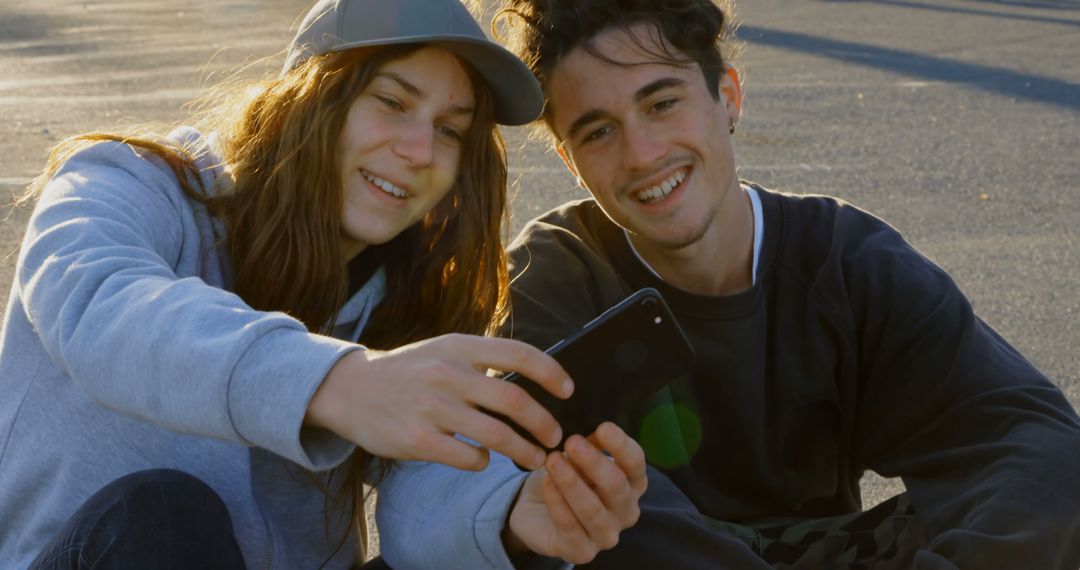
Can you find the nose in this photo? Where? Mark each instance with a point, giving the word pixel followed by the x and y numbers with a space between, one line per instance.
pixel 416 143
pixel 642 147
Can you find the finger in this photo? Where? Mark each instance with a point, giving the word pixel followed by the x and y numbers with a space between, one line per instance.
pixel 571 540
pixel 626 453
pixel 431 445
pixel 599 523
pixel 458 390
pixel 512 401
pixel 606 480
pixel 559 510
pixel 492 434
pixel 509 355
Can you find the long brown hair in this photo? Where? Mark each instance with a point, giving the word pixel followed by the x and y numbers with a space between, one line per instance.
pixel 282 212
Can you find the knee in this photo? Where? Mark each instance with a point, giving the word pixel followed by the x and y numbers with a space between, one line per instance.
pixel 148 514
pixel 159 506
pixel 165 485
pixel 166 493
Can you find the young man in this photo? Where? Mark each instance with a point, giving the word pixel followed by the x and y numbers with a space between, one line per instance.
pixel 826 345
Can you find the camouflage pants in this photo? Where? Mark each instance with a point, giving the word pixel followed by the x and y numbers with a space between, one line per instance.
pixel 671 533
pixel 885 537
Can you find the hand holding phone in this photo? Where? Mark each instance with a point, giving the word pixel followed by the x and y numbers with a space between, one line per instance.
pixel 616 361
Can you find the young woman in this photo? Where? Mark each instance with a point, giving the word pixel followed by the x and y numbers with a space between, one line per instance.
pixel 183 384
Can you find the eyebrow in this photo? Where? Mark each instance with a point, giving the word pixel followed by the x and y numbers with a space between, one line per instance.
pixel 641 94
pixel 420 94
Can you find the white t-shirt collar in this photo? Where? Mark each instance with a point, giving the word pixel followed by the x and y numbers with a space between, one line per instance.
pixel 759 232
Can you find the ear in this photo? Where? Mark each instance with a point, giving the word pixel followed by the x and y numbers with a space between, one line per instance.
pixel 731 91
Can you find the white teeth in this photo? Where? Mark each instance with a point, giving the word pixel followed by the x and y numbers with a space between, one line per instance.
pixel 386 186
pixel 656 193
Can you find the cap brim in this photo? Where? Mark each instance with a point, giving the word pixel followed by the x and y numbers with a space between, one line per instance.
pixel 518 96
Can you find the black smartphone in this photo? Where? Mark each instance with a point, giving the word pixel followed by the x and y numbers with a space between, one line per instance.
pixel 616 360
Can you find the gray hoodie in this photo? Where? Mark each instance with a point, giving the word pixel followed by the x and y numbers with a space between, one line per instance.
pixel 122 349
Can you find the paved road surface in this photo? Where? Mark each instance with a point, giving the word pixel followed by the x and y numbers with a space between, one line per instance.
pixel 956 120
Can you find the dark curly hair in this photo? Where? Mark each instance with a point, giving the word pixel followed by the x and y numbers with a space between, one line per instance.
pixel 542 32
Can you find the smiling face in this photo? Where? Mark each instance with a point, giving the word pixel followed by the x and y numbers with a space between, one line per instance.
pixel 401 145
pixel 647 138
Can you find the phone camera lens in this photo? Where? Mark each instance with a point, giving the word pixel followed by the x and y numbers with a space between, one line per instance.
pixel 648 304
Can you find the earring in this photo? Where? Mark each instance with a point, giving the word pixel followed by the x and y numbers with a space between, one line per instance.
pixel 731 126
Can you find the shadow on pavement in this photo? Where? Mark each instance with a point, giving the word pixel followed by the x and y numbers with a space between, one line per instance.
pixel 1043 4
pixel 987 78
pixel 969 11
pixel 972 11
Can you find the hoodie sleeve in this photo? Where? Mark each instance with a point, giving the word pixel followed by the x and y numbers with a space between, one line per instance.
pixel 986 445
pixel 458 516
pixel 96 271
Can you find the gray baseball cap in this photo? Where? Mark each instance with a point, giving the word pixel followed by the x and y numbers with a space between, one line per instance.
pixel 336 25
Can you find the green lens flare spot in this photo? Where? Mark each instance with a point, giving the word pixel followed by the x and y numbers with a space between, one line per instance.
pixel 670 435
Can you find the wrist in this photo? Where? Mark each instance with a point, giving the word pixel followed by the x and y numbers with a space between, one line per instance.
pixel 511 543
pixel 330 396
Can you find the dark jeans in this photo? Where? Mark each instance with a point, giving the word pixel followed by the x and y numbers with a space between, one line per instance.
pixel 160 518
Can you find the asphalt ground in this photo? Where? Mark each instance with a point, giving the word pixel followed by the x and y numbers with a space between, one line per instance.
pixel 958 121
